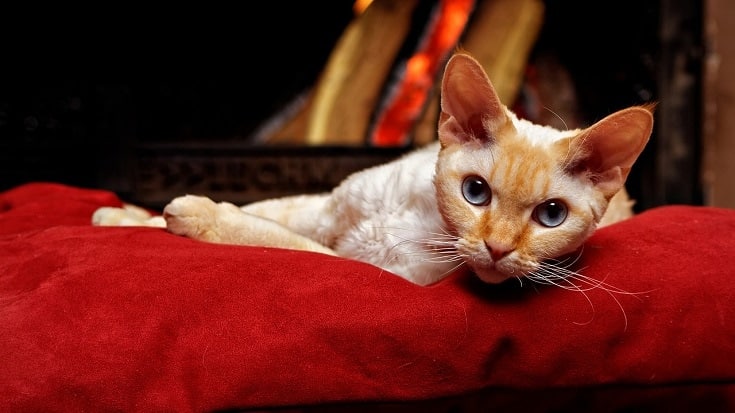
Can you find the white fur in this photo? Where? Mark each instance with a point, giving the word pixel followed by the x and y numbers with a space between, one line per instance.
pixel 375 214
pixel 378 215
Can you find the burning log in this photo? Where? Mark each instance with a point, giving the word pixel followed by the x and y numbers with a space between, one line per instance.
pixel 366 69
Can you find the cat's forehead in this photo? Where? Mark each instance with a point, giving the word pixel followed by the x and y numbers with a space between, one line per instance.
pixel 530 144
pixel 509 158
pixel 538 135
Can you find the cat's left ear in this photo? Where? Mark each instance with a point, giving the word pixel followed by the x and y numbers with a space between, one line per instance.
pixel 607 150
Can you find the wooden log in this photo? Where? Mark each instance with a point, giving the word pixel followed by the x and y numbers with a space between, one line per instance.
pixel 349 88
pixel 287 127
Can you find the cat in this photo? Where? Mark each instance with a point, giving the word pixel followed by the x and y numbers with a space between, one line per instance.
pixel 496 195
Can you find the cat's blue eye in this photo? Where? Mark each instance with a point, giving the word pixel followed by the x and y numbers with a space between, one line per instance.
pixel 551 213
pixel 476 190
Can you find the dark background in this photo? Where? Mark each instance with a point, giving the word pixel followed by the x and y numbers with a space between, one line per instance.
pixel 81 88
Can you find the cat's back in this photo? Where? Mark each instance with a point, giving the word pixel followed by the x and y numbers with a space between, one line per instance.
pixel 392 186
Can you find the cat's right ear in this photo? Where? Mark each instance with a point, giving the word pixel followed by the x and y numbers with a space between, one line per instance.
pixel 470 107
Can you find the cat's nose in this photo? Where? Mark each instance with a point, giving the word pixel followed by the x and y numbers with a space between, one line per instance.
pixel 497 250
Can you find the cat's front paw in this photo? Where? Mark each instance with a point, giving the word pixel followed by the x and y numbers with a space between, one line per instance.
pixel 196 217
pixel 128 215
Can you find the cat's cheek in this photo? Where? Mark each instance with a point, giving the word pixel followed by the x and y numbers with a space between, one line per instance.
pixel 561 241
pixel 458 217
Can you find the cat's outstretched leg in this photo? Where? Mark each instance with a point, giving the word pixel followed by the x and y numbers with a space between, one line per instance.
pixel 127 216
pixel 201 218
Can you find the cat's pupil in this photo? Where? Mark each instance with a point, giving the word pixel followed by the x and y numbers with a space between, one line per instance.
pixel 550 213
pixel 476 190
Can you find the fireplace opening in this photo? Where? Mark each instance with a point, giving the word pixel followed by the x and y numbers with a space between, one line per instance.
pixel 153 104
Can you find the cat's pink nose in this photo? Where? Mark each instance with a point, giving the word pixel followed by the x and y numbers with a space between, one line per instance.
pixel 497 251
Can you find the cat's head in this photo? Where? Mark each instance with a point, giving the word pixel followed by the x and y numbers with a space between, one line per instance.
pixel 515 193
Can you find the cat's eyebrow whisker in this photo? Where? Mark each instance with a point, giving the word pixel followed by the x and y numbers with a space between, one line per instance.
pixel 558 117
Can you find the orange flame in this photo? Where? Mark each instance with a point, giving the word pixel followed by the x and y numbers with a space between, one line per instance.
pixel 359 6
pixel 397 120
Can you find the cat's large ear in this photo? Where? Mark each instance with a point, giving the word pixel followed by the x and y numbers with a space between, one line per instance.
pixel 607 150
pixel 470 107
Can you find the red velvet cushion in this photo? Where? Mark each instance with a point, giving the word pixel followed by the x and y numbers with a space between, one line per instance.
pixel 137 319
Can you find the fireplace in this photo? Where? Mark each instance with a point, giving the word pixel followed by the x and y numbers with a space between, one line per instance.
pixel 217 103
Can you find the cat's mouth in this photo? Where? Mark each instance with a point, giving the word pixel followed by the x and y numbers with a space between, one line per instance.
pixel 549 271
pixel 496 272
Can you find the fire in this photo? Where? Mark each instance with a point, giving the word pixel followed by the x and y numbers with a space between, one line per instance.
pixel 360 5
pixel 396 121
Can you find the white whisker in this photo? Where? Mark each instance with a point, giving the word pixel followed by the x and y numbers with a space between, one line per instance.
pixel 557 273
pixel 558 117
pixel 426 246
pixel 452 269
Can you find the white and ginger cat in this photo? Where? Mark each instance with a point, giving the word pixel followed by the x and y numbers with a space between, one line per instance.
pixel 498 195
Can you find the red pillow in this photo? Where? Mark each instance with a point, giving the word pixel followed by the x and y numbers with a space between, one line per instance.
pixel 137 319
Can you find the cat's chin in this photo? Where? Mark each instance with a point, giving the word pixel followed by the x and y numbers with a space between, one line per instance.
pixel 492 276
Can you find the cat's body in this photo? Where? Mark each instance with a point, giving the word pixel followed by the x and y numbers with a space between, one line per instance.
pixel 385 215
pixel 497 193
